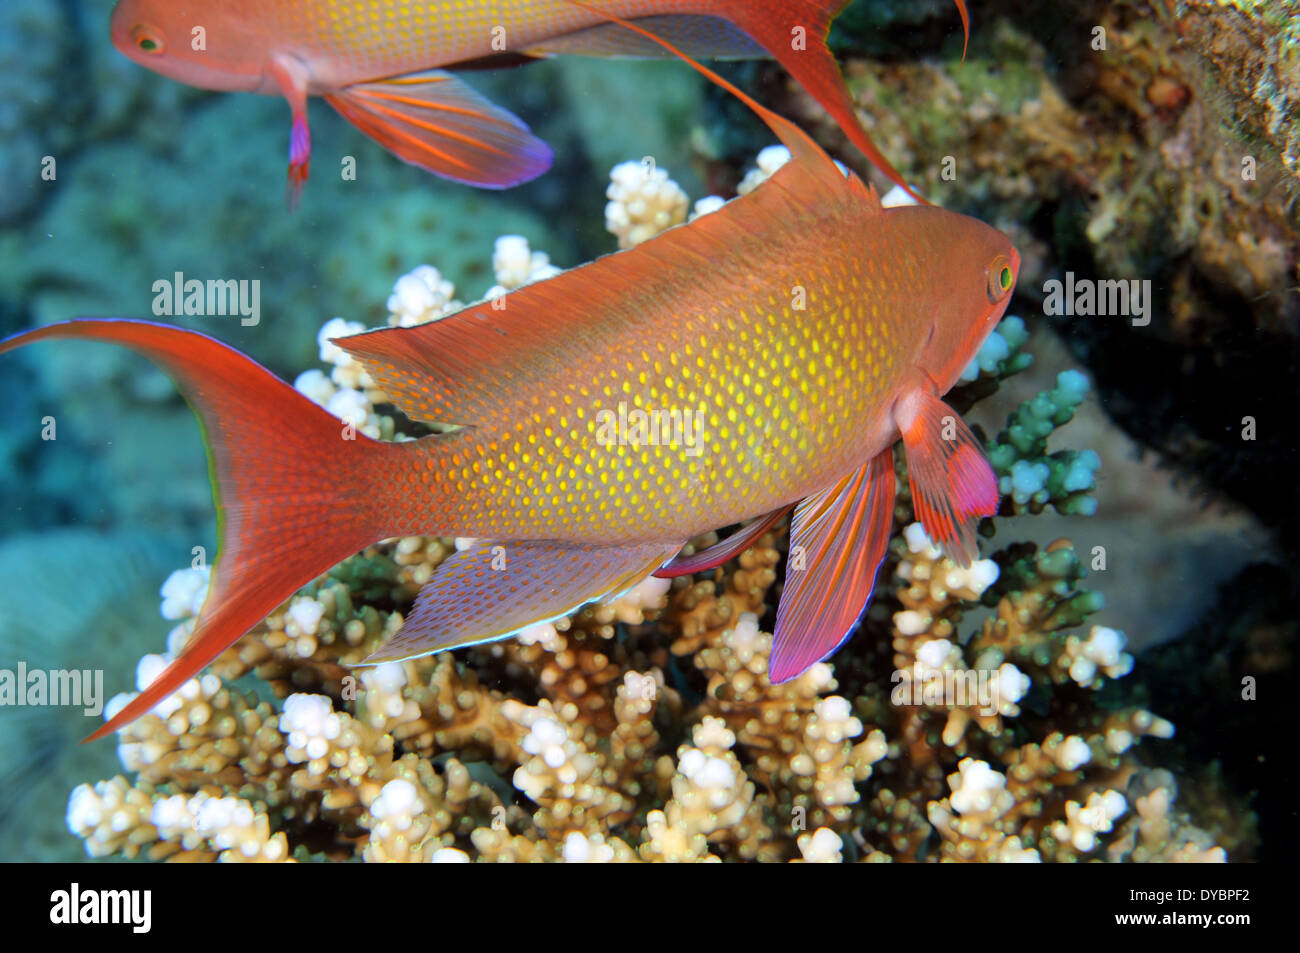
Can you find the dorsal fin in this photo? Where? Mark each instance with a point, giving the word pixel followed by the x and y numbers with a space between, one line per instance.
pixel 701 35
pixel 459 369
pixel 454 370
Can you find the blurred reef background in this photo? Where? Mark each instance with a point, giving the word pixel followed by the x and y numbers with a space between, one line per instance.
pixel 1135 139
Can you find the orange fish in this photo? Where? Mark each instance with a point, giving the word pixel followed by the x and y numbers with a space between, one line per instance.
pixel 782 343
pixel 382 63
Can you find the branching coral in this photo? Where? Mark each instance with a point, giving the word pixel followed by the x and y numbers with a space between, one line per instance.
pixel 643 201
pixel 1026 472
pixel 972 719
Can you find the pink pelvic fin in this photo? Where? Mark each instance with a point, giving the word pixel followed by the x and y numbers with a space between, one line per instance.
pixel 299 160
pixel 291 76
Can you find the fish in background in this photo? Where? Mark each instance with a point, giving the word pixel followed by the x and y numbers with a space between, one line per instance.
pixel 384 65
pixel 804 326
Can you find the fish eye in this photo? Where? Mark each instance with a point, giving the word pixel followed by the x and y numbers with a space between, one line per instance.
pixel 147 39
pixel 1000 279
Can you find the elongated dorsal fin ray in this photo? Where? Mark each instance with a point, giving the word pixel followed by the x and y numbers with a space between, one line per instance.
pixel 448 371
pixel 965 27
pixel 804 150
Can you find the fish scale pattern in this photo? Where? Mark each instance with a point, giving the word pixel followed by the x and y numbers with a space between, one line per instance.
pixel 372 38
pixel 758 398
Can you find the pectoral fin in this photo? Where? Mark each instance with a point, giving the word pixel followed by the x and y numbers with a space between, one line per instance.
pixel 492 590
pixel 952 482
pixel 433 120
pixel 837 542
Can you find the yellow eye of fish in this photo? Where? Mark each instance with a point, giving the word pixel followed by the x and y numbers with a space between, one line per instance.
pixel 1001 279
pixel 147 39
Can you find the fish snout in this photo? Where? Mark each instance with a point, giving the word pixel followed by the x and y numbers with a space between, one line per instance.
pixel 983 268
pixel 217 54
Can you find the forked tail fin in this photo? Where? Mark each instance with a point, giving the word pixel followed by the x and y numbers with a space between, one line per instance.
pixel 291 484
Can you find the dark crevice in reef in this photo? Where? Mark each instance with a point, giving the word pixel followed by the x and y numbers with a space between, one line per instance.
pixel 1141 131
pixel 1193 402
pixel 1200 681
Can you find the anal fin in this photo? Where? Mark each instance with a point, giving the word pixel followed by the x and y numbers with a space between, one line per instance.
pixel 837 543
pixel 492 590
pixel 434 120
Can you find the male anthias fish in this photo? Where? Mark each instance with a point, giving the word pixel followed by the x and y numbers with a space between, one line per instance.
pixel 383 63
pixel 804 325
